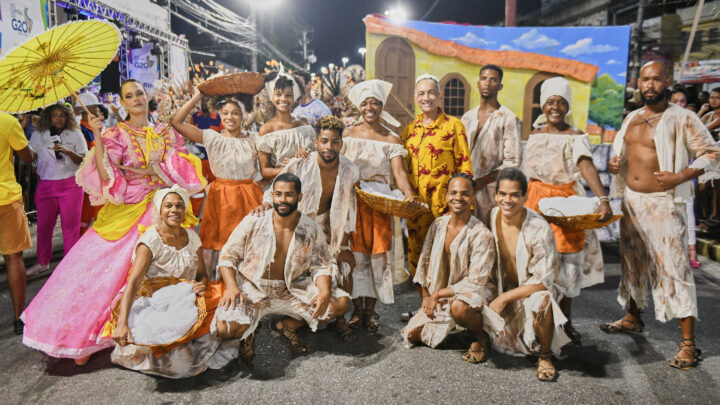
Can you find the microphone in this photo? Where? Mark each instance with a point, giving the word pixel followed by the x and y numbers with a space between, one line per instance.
pixel 55 138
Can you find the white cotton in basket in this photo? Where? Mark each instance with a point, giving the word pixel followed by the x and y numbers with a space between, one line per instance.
pixel 164 317
pixel 568 206
pixel 382 190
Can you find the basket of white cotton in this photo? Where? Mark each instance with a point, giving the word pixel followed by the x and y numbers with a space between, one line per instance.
pixel 574 212
pixel 379 196
pixel 165 312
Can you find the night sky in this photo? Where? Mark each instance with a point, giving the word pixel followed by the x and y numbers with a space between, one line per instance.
pixel 338 27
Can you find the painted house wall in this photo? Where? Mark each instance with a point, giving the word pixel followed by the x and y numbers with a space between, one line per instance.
pixel 514 80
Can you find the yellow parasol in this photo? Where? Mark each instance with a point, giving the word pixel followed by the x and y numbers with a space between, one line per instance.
pixel 55 64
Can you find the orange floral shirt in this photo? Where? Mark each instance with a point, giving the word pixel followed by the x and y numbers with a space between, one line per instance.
pixel 435 153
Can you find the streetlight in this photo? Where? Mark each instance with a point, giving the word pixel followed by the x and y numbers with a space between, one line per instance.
pixel 345 61
pixel 362 52
pixel 398 13
pixel 331 66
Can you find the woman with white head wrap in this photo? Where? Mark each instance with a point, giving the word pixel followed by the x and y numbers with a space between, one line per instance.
pixel 379 155
pixel 167 249
pixel 282 137
pixel 557 156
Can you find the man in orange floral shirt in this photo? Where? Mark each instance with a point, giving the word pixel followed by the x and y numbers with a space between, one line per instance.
pixel 437 149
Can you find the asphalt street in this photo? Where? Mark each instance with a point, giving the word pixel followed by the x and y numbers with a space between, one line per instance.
pixel 607 369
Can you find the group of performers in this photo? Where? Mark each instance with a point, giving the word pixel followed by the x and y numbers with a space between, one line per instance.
pixel 307 249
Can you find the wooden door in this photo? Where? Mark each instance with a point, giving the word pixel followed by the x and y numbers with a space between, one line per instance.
pixel 395 63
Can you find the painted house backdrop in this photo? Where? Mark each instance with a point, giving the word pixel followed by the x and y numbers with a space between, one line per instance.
pixel 593 59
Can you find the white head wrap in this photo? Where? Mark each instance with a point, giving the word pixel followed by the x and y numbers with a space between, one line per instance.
pixel 377 89
pixel 160 196
pixel 270 86
pixel 556 86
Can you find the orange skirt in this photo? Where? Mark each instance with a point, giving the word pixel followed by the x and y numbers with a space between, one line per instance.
pixel 373 230
pixel 566 240
pixel 213 295
pixel 226 204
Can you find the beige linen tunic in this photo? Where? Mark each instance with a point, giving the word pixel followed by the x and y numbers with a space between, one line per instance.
pixel 343 207
pixel 250 251
pixel 467 269
pixel 231 158
pixel 374 273
pixel 495 146
pixel 537 262
pixel 286 142
pixel 552 159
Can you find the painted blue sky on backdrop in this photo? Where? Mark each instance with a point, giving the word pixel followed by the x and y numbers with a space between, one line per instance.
pixel 605 47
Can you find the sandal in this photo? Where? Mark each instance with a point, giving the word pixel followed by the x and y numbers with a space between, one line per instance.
pixel 619 326
pixel 356 319
pixel 684 364
pixel 574 335
pixel 344 330
pixel 372 321
pixel 545 373
pixel 247 349
pixel 291 337
pixel 477 356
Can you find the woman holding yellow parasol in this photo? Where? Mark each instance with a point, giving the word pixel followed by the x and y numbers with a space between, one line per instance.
pixel 134 159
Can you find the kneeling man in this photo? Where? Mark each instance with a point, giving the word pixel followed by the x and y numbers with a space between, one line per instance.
pixel 277 264
pixel 528 263
pixel 455 263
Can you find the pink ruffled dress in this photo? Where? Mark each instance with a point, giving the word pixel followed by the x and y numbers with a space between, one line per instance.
pixel 67 316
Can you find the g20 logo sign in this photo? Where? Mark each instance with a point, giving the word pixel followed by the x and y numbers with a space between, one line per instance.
pixel 21 22
pixel 21 26
pixel 143 64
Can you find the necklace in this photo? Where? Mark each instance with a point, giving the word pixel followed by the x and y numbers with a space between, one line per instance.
pixel 153 142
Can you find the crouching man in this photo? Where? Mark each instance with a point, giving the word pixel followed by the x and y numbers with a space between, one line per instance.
pixel 455 263
pixel 528 263
pixel 277 264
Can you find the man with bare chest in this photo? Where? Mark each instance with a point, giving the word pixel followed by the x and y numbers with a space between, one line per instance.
pixel 455 264
pixel 527 266
pixel 653 149
pixel 494 137
pixel 296 283
pixel 328 179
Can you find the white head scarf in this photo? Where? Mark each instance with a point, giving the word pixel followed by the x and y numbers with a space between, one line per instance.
pixel 160 196
pixel 377 89
pixel 270 86
pixel 556 86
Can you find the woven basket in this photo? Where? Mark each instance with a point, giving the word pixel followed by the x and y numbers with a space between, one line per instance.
pixel 243 82
pixel 580 222
pixel 147 288
pixel 391 206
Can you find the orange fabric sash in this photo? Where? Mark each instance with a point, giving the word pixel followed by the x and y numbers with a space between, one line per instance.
pixel 213 294
pixel 226 204
pixel 373 230
pixel 566 240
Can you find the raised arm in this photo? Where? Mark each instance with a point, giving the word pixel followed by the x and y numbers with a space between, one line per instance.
pixel 143 256
pixel 96 123
pixel 178 119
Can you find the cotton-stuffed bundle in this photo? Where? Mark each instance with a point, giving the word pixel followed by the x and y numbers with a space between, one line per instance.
pixel 164 317
pixel 568 206
pixel 381 189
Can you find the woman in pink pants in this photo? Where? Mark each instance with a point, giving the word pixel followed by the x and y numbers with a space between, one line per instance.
pixel 60 148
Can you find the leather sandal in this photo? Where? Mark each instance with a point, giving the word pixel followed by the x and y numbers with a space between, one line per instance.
pixel 684 364
pixel 372 321
pixel 344 330
pixel 247 349
pixel 291 337
pixel 356 319
pixel 477 356
pixel 545 373
pixel 620 326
